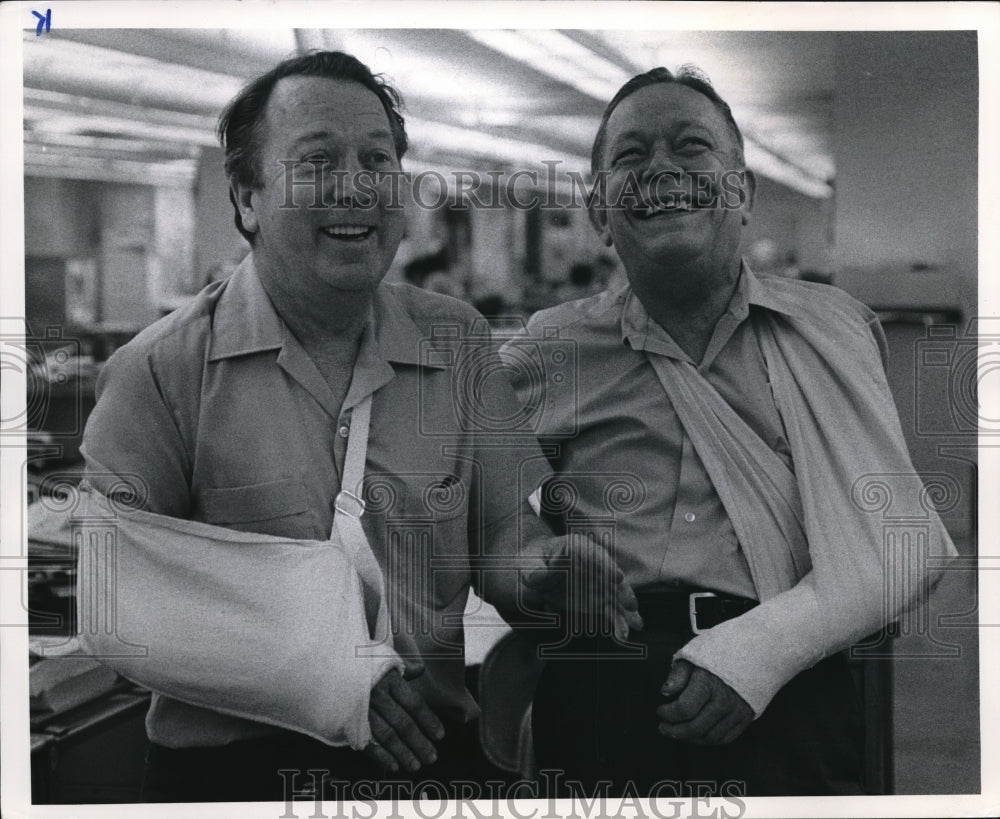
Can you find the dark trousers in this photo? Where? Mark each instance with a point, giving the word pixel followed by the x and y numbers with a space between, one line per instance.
pixel 594 720
pixel 276 769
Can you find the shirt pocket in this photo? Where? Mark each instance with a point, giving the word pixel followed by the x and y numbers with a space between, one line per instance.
pixel 279 508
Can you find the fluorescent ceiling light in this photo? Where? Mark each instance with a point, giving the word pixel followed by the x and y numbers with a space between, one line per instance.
pixel 176 173
pixel 579 55
pixel 466 141
pixel 40 105
pixel 81 69
pixel 554 55
pixel 422 74
pixel 762 161
pixel 89 125
pixel 480 116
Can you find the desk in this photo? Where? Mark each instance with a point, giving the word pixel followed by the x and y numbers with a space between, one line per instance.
pixel 92 754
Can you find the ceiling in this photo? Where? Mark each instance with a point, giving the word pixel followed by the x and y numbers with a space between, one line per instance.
pixel 139 104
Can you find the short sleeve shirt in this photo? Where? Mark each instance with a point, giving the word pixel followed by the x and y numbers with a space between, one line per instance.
pixel 217 414
pixel 626 470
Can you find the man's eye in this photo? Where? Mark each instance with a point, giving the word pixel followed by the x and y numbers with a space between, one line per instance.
pixel 691 144
pixel 381 157
pixel 628 155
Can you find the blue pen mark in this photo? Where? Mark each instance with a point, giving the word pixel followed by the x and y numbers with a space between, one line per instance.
pixel 45 21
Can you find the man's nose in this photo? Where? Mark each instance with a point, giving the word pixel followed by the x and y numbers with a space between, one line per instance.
pixel 346 185
pixel 662 161
pixel 663 179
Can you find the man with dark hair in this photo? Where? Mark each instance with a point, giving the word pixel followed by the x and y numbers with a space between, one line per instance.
pixel 744 413
pixel 242 121
pixel 239 411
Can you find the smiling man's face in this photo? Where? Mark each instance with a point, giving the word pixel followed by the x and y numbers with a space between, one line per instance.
pixel 314 126
pixel 670 155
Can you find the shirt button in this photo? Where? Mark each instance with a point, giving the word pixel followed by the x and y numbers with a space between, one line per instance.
pixel 344 431
pixel 689 517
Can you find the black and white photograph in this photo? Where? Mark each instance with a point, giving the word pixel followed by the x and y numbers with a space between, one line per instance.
pixel 533 409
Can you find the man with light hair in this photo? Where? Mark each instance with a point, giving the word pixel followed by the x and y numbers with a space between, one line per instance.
pixel 744 411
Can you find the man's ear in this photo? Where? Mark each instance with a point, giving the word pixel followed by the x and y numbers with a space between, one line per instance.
pixel 598 215
pixel 242 196
pixel 750 189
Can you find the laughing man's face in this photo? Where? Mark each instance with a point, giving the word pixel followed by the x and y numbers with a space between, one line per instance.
pixel 673 170
pixel 338 129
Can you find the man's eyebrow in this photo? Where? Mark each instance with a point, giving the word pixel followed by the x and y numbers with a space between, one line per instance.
pixel 312 136
pixel 382 134
pixel 634 133
pixel 695 123
pixel 319 136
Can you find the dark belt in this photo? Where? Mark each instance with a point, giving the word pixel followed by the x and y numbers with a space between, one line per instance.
pixel 688 609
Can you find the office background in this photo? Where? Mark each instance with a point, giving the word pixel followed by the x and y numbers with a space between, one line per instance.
pixel 865 146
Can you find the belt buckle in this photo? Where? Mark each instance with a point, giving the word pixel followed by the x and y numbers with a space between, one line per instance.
pixel 349 504
pixel 693 610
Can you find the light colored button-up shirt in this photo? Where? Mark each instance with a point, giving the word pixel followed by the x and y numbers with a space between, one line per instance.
pixel 822 559
pixel 218 415
pixel 613 425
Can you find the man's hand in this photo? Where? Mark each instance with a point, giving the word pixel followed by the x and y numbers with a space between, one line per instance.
pixel 701 708
pixel 578 577
pixel 403 727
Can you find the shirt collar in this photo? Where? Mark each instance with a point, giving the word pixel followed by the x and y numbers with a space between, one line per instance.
pixel 246 322
pixel 400 340
pixel 772 293
pixel 642 332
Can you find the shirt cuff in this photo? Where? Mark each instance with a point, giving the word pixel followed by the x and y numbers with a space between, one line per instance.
pixel 758 653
